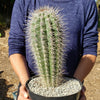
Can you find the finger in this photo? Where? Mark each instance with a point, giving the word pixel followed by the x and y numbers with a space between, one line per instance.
pixel 22 98
pixel 83 97
pixel 23 92
pixel 26 95
pixel 83 89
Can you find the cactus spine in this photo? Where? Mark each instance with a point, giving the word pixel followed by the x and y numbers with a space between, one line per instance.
pixel 46 35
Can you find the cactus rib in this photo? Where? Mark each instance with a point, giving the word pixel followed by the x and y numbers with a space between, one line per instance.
pixel 46 37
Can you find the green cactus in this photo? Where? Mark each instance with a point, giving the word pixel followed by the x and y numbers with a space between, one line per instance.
pixel 46 37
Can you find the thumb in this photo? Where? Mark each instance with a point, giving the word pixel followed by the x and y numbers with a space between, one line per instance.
pixel 24 91
pixel 83 90
pixel 26 95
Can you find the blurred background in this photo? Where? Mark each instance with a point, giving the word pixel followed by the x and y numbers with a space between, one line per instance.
pixel 5 12
pixel 6 9
pixel 8 79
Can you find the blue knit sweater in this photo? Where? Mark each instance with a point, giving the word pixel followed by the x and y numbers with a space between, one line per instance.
pixel 81 23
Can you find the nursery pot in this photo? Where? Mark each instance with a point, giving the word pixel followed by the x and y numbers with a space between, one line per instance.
pixel 35 96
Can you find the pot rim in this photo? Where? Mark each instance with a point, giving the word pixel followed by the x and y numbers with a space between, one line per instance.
pixel 55 96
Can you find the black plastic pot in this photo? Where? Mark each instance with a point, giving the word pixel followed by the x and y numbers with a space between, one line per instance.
pixel 34 96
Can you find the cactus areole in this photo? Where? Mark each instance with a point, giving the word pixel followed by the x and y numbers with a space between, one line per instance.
pixel 46 37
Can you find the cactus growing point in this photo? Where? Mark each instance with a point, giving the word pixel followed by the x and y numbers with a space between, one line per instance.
pixel 45 33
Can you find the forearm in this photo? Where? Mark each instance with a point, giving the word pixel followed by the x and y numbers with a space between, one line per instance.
pixel 19 65
pixel 85 66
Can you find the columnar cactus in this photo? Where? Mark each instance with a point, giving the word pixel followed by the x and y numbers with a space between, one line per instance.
pixel 46 37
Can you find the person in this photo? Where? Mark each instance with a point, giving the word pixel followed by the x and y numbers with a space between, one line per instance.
pixel 82 21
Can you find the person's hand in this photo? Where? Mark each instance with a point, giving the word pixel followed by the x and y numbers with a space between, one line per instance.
pixel 23 94
pixel 82 95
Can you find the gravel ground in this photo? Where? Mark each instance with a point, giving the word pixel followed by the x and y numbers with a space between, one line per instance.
pixel 9 81
pixel 92 82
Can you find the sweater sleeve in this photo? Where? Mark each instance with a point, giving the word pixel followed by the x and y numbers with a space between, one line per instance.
pixel 90 35
pixel 16 39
